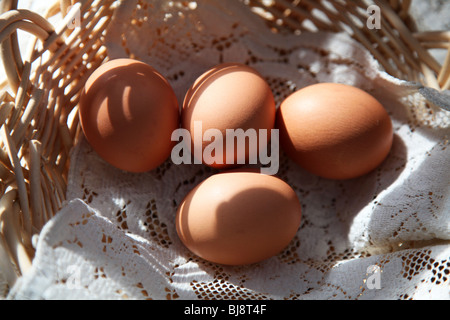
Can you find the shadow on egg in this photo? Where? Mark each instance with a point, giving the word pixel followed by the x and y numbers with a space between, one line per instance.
pixel 202 82
pixel 250 227
pixel 126 115
pixel 123 100
pixel 216 103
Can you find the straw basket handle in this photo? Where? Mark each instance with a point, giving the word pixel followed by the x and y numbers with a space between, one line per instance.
pixel 16 217
pixel 13 19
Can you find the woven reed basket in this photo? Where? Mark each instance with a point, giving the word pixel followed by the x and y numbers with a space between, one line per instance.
pixel 41 93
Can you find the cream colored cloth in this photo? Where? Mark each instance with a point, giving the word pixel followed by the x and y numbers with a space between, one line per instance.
pixel 382 236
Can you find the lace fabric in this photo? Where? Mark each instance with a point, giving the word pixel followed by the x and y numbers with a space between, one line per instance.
pixel 382 236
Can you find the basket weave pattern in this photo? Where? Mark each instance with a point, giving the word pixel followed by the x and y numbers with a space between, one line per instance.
pixel 38 106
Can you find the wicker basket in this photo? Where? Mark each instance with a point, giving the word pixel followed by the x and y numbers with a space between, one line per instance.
pixel 39 99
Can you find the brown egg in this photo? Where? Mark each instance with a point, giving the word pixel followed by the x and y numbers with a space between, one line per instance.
pixel 128 112
pixel 229 96
pixel 238 217
pixel 334 130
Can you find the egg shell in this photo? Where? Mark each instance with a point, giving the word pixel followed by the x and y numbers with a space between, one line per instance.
pixel 229 96
pixel 238 217
pixel 335 131
pixel 128 112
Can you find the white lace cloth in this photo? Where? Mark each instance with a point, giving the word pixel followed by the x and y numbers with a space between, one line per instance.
pixel 382 236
